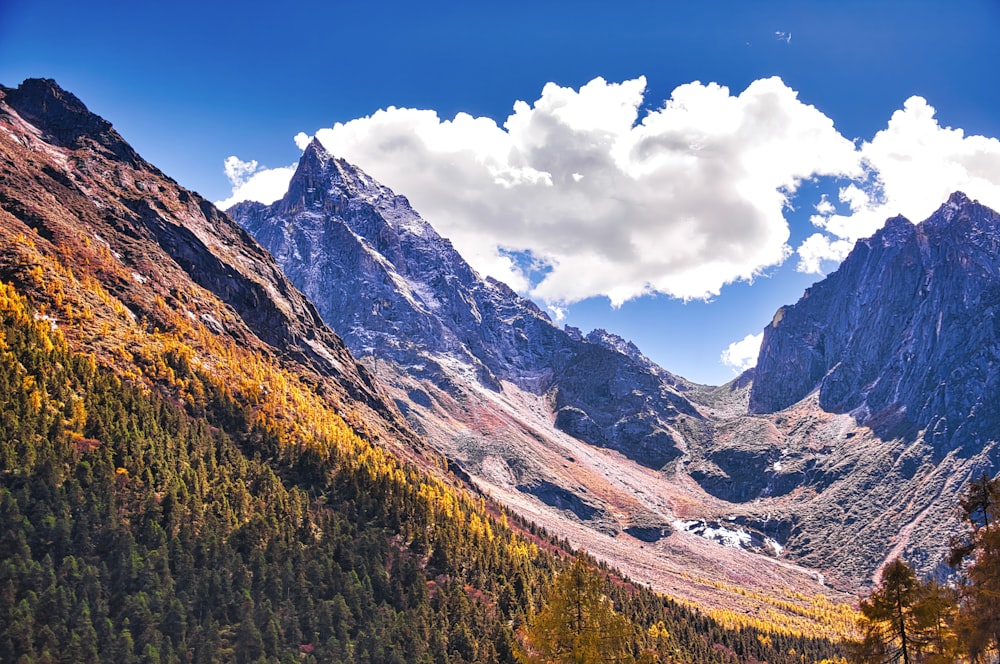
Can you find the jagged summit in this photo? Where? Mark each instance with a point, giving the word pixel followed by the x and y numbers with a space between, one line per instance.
pixel 318 165
pixel 63 119
pixel 956 203
pixel 912 311
pixel 398 292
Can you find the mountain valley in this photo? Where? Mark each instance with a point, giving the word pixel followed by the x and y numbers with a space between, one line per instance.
pixel 354 363
pixel 586 435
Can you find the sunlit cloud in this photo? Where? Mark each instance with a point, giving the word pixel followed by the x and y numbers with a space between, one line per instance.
pixel 742 355
pixel 681 200
pixel 251 183
pixel 912 166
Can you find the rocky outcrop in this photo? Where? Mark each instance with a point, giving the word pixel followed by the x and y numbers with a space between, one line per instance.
pixel 905 335
pixel 398 292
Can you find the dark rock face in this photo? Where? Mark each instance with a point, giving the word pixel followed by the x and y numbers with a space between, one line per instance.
pixel 397 291
pixel 649 534
pixel 558 497
pixel 905 335
pixel 64 119
pixel 68 176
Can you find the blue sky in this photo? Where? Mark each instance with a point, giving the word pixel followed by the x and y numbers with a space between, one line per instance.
pixel 713 221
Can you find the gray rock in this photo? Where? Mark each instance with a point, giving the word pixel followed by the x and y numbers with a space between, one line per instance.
pixel 398 292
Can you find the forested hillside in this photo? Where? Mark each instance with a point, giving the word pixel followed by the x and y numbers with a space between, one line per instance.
pixel 138 527
pixel 194 469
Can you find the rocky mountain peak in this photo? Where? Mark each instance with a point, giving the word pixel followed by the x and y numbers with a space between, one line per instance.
pixel 912 311
pixel 896 231
pixel 957 202
pixel 63 119
pixel 615 342
pixel 341 176
pixel 398 292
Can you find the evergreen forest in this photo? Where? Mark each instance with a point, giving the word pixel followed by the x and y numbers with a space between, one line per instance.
pixel 165 517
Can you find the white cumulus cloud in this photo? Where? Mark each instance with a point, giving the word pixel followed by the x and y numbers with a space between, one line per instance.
pixel 681 201
pixel 251 183
pixel 912 166
pixel 238 171
pixel 742 355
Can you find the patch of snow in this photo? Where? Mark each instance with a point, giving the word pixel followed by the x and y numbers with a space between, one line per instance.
pixel 732 538
pixel 51 321
pixel 735 539
pixel 138 277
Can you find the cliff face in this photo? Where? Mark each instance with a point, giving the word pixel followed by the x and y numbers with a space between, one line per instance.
pixel 399 293
pixel 905 336
pixel 128 238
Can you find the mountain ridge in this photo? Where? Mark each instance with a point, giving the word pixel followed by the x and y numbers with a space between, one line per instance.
pixel 789 460
pixel 164 296
pixel 881 362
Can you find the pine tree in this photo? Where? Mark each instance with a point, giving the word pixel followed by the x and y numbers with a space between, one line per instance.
pixel 978 557
pixel 578 623
pixel 888 620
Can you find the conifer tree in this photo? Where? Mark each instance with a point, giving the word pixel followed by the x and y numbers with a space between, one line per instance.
pixel 578 623
pixel 888 620
pixel 978 557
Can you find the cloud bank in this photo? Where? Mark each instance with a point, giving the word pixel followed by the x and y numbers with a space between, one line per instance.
pixel 682 201
pixel 606 200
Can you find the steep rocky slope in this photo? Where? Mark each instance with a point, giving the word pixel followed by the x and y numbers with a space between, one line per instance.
pixel 400 293
pixel 136 251
pixel 837 477
pixel 149 279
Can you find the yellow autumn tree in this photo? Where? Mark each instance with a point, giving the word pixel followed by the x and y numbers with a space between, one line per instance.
pixel 578 624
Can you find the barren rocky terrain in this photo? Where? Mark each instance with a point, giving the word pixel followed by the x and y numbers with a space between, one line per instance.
pixel 805 475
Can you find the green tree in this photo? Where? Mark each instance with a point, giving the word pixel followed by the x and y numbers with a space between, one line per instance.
pixel 977 555
pixel 578 623
pixel 907 620
pixel 936 611
pixel 888 620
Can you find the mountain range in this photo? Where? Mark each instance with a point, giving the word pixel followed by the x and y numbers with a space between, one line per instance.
pixel 849 443
pixel 871 407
